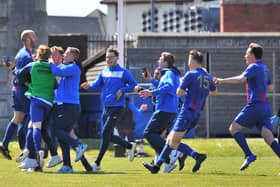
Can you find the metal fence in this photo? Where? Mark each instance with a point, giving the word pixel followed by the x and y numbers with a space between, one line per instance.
pixel 97 43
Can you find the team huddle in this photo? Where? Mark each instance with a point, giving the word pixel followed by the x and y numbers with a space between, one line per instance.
pixel 46 100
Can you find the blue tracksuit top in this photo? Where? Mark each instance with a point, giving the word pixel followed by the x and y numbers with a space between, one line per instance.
pixel 110 80
pixel 165 92
pixel 68 88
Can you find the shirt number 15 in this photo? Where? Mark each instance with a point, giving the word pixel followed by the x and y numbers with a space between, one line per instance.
pixel 203 81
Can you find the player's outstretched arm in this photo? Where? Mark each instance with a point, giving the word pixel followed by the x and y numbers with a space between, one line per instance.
pixel 230 80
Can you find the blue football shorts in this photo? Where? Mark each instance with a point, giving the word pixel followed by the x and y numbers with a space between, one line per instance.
pixel 186 119
pixel 255 115
pixel 38 110
pixel 20 102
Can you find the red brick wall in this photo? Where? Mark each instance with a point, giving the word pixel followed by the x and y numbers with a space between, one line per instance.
pixel 250 18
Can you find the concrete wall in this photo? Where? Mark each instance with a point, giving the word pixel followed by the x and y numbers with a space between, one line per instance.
pixel 224 56
pixel 250 16
pixel 15 16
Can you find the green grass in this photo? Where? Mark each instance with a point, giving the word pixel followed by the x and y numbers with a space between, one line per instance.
pixel 220 169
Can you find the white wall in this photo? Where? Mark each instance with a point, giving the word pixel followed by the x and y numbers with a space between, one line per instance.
pixel 133 16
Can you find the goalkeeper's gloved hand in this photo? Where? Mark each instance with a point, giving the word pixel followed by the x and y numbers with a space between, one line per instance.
pixel 274 120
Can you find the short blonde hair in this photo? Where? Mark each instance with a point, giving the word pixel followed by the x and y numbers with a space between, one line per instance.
pixel 25 34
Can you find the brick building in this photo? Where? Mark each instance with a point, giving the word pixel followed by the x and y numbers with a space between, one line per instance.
pixel 250 16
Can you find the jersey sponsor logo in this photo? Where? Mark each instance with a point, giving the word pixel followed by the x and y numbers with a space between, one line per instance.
pixel 43 70
pixel 112 74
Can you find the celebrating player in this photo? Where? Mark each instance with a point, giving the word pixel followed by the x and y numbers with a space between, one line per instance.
pixel 257 111
pixel 195 87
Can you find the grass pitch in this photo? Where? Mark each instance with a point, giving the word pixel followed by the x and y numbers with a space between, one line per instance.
pixel 221 168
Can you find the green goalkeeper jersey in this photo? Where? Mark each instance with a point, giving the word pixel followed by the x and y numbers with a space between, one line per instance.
pixel 42 81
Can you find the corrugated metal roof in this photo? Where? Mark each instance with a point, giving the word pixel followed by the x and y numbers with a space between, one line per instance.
pixel 91 61
pixel 92 73
pixel 93 65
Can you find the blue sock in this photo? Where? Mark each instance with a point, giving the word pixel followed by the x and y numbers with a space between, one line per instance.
pixel 21 135
pixel 164 155
pixel 21 132
pixel 11 127
pixel 276 148
pixel 29 143
pixel 37 138
pixel 29 138
pixel 186 150
pixel 240 139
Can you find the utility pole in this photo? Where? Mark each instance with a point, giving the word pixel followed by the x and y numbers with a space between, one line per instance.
pixel 120 33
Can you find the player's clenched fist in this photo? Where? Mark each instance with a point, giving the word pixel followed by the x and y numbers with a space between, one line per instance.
pixel 85 85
